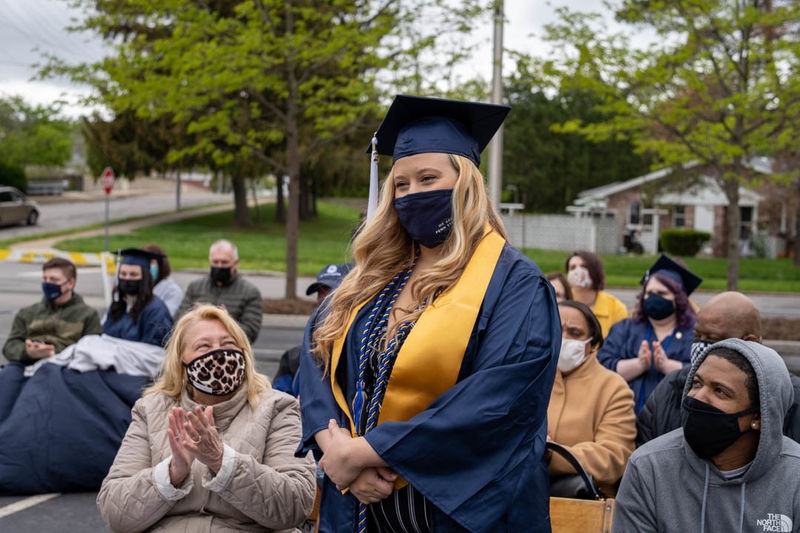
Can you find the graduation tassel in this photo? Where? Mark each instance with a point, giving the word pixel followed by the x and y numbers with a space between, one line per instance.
pixel 372 202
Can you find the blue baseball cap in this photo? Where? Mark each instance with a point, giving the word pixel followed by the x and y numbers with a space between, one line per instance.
pixel 330 276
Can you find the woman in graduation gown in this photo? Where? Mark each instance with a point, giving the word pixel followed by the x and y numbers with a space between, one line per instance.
pixel 425 377
pixel 137 314
pixel 658 338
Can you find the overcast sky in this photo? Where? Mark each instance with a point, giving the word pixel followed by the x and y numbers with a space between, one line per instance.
pixel 31 27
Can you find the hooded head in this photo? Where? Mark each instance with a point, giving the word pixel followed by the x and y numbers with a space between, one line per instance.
pixel 775 394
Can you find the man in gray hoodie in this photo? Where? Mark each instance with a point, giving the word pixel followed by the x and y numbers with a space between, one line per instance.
pixel 729 468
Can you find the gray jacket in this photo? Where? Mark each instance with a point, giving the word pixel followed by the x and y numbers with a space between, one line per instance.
pixel 667 488
pixel 241 298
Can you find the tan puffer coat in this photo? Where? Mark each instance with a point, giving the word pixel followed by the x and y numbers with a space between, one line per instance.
pixel 269 489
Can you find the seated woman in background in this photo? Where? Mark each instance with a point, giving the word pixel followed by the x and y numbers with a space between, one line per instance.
pixel 591 408
pixel 136 314
pixel 587 281
pixel 658 338
pixel 560 285
pixel 211 445
pixel 165 287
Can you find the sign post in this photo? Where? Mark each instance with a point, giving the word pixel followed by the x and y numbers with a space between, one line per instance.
pixel 107 179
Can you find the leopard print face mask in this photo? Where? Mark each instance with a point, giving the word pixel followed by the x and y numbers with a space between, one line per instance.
pixel 217 373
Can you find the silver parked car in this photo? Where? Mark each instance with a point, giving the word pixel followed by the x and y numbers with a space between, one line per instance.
pixel 15 207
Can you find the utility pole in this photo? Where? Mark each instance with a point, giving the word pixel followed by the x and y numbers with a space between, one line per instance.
pixel 496 146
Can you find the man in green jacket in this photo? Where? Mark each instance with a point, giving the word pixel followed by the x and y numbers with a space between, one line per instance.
pixel 60 319
pixel 226 288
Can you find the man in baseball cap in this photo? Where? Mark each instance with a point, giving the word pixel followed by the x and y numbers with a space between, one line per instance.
pixel 328 279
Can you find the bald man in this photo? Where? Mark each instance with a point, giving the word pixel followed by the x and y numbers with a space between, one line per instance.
pixel 727 315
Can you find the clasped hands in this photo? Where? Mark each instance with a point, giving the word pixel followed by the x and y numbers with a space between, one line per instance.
pixel 656 357
pixel 193 435
pixel 352 463
pixel 39 350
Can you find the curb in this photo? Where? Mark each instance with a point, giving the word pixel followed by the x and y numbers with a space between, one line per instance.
pixel 42 256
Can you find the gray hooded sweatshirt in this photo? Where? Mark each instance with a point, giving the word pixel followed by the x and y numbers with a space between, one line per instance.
pixel 667 488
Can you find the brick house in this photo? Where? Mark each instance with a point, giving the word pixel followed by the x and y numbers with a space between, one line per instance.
pixel 647 204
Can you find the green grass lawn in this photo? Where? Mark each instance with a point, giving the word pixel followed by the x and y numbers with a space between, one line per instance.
pixel 626 270
pixel 322 241
pixel 325 240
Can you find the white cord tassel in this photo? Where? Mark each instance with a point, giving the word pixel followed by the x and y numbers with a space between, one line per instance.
pixel 372 202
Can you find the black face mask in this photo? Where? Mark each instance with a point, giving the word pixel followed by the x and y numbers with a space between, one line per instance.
pixel 708 430
pixel 221 274
pixel 657 307
pixel 426 216
pixel 129 286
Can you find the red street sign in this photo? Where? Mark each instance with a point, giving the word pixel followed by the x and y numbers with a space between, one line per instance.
pixel 107 178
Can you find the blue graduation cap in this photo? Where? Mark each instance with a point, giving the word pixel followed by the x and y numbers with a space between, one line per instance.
pixel 668 267
pixel 416 125
pixel 136 256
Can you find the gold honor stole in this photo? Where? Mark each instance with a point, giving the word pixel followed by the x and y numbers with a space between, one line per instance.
pixel 429 361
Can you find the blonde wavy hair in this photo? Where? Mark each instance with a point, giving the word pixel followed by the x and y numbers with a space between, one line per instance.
pixel 172 378
pixel 383 248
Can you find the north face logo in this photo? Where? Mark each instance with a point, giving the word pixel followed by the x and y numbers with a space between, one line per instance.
pixel 775 522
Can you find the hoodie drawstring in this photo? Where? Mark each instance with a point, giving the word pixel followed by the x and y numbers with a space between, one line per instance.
pixel 703 508
pixel 705 499
pixel 741 513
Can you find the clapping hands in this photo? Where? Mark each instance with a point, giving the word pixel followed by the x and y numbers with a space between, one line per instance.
pixel 193 435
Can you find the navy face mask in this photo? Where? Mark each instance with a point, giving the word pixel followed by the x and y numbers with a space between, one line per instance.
pixel 51 290
pixel 657 307
pixel 426 216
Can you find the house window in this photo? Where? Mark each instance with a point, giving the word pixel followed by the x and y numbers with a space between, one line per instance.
pixel 746 222
pixel 679 216
pixel 634 213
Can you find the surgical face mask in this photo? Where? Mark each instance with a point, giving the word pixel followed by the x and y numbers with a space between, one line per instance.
pixel 579 277
pixel 657 307
pixel 154 272
pixel 218 372
pixel 129 286
pixel 710 431
pixel 51 290
pixel 698 349
pixel 221 274
pixel 572 355
pixel 426 216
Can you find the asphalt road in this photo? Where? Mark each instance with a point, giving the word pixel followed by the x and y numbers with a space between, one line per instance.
pixel 73 214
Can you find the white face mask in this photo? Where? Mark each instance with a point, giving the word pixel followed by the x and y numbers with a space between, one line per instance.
pixel 579 277
pixel 573 354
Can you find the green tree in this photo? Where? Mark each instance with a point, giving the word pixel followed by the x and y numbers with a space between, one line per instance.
pixel 247 77
pixel 718 86
pixel 548 169
pixel 33 135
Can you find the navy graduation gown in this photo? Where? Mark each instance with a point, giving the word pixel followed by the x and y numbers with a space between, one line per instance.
pixel 476 453
pixel 623 342
pixel 153 326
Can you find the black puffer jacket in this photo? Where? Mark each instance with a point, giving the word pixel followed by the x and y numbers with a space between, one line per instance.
pixel 662 411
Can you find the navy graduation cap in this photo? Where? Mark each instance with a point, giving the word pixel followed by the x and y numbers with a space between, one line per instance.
pixel 135 256
pixel 675 271
pixel 417 125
